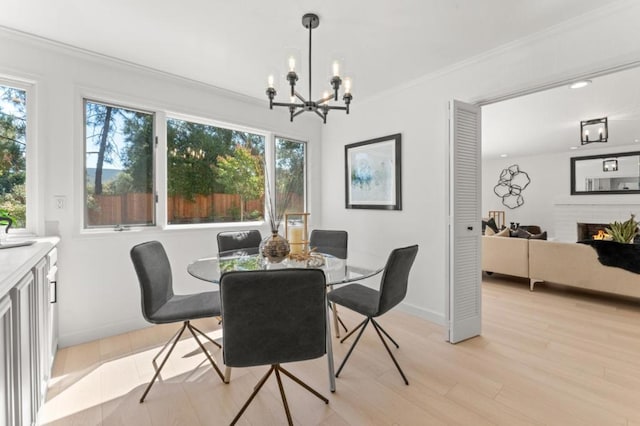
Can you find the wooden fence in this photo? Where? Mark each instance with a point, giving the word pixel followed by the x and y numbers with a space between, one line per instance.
pixel 137 208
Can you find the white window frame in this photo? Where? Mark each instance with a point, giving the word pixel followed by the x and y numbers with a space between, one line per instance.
pixel 160 162
pixel 35 198
pixel 154 166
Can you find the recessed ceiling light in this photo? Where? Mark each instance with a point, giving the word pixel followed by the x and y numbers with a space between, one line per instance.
pixel 636 140
pixel 579 84
pixel 573 147
pixel 503 155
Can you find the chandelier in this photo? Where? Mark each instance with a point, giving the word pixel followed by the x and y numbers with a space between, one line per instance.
pixel 298 103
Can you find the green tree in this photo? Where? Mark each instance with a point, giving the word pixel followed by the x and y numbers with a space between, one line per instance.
pixel 137 155
pixel 242 174
pixel 289 174
pixel 13 124
pixel 100 123
pixel 192 150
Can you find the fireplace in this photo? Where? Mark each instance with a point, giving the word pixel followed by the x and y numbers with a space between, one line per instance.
pixel 590 231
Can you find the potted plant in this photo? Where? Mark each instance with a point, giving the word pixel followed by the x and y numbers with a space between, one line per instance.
pixel 623 232
pixel 5 219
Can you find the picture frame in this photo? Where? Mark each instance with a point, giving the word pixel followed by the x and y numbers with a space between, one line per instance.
pixel 373 174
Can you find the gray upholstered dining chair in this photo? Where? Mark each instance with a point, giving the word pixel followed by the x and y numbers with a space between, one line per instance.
pixel 272 317
pixel 329 242
pixel 373 303
pixel 239 240
pixel 334 243
pixel 161 306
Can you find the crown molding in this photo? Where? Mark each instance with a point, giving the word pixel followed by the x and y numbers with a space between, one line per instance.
pixel 86 54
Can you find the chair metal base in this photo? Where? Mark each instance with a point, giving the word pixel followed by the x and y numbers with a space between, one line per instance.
pixel 379 331
pixel 277 368
pixel 337 321
pixel 173 341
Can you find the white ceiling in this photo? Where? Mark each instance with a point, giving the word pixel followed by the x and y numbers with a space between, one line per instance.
pixel 234 44
pixel 549 121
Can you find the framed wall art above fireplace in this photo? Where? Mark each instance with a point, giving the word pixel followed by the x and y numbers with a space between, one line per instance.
pixel 596 174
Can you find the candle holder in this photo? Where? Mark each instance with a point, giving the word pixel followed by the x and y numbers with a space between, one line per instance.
pixel 296 230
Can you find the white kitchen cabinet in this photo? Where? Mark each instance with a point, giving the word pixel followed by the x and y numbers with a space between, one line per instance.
pixel 28 330
pixel 22 296
pixel 7 388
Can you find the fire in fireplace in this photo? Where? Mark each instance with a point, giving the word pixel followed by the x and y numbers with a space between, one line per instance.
pixel 591 231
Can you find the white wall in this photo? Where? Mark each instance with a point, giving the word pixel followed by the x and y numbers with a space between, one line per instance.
pixel 550 184
pixel 549 176
pixel 419 112
pixel 98 289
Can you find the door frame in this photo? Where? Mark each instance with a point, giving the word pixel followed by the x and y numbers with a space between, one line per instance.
pixel 535 88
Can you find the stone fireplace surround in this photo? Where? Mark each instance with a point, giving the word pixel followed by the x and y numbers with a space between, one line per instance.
pixel 590 209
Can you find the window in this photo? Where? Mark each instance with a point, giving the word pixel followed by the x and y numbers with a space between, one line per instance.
pixel 214 174
pixel 119 166
pixel 290 175
pixel 13 162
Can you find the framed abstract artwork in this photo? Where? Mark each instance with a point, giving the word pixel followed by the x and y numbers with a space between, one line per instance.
pixel 373 174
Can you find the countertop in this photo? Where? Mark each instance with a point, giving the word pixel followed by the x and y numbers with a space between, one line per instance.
pixel 15 262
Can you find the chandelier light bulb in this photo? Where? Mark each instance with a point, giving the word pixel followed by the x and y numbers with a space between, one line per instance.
pixel 270 81
pixel 347 85
pixel 292 63
pixel 336 69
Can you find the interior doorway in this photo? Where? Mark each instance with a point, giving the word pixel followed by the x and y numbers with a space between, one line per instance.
pixel 539 132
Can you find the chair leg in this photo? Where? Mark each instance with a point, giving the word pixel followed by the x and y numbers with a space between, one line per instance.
pixel 284 397
pixel 277 369
pixel 206 352
pixel 354 330
pixel 344 361
pixel 337 321
pixel 375 325
pixel 342 323
pixel 385 333
pixel 253 394
pixel 180 330
pixel 205 336
pixel 175 339
pixel 301 383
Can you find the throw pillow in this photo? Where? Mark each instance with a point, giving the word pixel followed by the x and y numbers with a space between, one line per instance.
pixel 521 233
pixel 491 223
pixel 489 231
pixel 541 236
pixel 503 233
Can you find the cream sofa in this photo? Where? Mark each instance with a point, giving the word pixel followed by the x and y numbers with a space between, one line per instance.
pixel 505 255
pixel 571 264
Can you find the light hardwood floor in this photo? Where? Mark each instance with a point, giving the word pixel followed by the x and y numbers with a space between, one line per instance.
pixel 549 357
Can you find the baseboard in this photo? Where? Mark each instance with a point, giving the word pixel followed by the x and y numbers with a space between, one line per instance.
pixel 113 329
pixel 84 336
pixel 427 314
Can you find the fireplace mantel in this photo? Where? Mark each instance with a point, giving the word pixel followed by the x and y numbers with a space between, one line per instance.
pixel 606 200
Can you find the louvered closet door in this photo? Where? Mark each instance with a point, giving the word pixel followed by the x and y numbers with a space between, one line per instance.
pixel 465 222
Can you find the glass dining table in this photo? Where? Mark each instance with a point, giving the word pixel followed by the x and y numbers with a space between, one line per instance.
pixel 337 271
